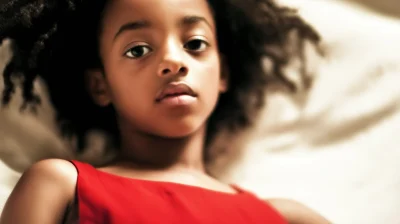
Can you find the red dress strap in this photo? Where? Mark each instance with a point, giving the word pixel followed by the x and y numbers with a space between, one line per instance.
pixel 88 193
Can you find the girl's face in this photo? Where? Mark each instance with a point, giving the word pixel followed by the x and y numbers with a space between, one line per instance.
pixel 161 65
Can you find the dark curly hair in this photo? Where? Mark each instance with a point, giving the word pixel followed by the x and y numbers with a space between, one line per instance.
pixel 57 40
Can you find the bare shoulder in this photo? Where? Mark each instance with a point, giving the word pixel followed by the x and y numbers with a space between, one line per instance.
pixel 42 194
pixel 50 173
pixel 58 170
pixel 296 213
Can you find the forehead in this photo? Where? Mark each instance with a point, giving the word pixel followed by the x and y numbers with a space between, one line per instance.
pixel 120 11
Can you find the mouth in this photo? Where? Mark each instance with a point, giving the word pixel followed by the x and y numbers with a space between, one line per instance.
pixel 175 90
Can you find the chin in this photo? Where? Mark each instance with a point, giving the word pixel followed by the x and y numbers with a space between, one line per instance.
pixel 182 129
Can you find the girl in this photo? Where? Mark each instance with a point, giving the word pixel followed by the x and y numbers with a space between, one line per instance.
pixel 162 77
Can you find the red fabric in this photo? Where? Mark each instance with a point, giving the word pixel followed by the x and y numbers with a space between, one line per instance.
pixel 108 198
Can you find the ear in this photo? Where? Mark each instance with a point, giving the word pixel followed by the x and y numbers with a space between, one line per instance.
pixel 224 77
pixel 97 87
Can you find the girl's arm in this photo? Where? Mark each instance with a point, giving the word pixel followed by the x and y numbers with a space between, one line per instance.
pixel 296 213
pixel 42 194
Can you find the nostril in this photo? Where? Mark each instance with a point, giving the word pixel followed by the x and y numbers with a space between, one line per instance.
pixel 183 70
pixel 166 71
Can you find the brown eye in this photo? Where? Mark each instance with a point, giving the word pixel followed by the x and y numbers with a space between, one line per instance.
pixel 138 51
pixel 196 45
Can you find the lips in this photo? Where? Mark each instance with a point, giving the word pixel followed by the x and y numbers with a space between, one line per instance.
pixel 175 89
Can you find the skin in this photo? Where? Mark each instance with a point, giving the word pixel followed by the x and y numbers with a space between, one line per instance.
pixel 158 142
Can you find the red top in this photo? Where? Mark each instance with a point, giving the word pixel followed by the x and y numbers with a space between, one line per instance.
pixel 108 198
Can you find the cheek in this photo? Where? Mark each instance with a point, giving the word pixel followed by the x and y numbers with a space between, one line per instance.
pixel 126 78
pixel 130 89
pixel 210 81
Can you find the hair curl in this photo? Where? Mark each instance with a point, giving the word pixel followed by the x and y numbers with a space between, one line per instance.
pixel 57 40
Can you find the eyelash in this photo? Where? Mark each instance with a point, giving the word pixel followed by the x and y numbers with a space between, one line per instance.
pixel 149 50
pixel 201 42
pixel 136 47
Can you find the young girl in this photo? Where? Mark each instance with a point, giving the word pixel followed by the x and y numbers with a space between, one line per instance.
pixel 160 76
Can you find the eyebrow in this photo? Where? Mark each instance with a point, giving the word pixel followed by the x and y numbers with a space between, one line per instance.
pixel 192 20
pixel 137 25
pixel 142 24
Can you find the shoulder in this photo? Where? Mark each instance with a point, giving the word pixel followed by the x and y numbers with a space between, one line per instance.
pixel 52 171
pixel 50 176
pixel 296 213
pixel 42 193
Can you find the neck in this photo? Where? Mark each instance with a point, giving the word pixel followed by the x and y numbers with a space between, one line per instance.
pixel 155 152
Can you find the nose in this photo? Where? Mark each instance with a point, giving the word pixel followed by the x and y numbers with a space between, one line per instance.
pixel 172 61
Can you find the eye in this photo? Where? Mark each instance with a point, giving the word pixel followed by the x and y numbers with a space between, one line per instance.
pixel 138 51
pixel 196 45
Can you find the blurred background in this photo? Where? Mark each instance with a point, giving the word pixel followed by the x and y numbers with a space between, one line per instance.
pixel 388 7
pixel 334 147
